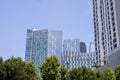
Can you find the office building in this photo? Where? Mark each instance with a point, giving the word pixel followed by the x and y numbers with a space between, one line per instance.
pixel 71 45
pixel 42 43
pixel 73 58
pixel 83 47
pixel 106 15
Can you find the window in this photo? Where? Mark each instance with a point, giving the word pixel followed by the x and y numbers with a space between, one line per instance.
pixel 114 34
pixel 112 13
pixel 113 23
pixel 113 28
pixel 110 37
pixel 110 32
pixel 112 18
pixel 114 40
pixel 115 45
pixel 111 48
pixel 111 4
pixel 111 8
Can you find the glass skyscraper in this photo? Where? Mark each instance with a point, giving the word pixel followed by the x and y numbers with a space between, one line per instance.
pixel 42 43
pixel 106 15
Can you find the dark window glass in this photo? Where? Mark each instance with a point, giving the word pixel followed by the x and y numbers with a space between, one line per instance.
pixel 110 37
pixel 113 28
pixel 110 32
pixel 111 48
pixel 115 45
pixel 114 34
pixel 112 13
pixel 114 40
pixel 111 3
pixel 113 23
pixel 111 8
pixel 112 18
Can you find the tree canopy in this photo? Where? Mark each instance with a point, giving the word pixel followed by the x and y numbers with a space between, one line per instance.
pixel 16 69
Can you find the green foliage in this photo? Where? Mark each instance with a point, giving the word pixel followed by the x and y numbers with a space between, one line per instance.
pixel 104 60
pixel 98 75
pixel 16 69
pixel 82 73
pixel 2 69
pixel 117 72
pixel 50 68
pixel 95 65
pixel 63 72
pixel 108 74
pixel 30 71
pixel 75 74
pixel 87 73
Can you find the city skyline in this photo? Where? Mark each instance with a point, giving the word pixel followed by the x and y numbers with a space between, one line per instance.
pixel 74 18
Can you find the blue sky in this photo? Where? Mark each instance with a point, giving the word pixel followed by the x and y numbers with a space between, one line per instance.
pixel 73 17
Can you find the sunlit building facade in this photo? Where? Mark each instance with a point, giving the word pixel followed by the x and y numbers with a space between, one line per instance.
pixel 73 58
pixel 106 15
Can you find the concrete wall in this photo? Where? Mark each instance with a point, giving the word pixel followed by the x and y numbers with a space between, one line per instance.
pixel 113 59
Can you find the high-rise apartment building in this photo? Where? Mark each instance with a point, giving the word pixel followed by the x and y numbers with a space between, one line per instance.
pixel 106 15
pixel 83 47
pixel 42 43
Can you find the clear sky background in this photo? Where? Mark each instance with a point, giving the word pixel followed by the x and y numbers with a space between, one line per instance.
pixel 73 17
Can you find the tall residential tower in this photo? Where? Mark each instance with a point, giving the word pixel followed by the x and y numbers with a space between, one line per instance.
pixel 106 15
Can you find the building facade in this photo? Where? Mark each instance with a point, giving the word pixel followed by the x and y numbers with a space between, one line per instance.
pixel 106 15
pixel 71 45
pixel 73 58
pixel 83 48
pixel 42 43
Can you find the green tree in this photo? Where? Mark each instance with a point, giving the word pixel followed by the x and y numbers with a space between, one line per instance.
pixel 75 74
pixel 82 73
pixel 87 74
pixel 63 72
pixel 67 77
pixel 50 68
pixel 2 69
pixel 98 75
pixel 14 68
pixel 108 74
pixel 30 71
pixel 117 72
pixel 104 60
pixel 95 65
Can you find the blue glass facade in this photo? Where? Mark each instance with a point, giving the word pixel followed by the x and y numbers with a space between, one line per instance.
pixel 71 45
pixel 42 43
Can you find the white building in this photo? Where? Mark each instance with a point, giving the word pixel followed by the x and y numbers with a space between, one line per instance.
pixel 106 15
